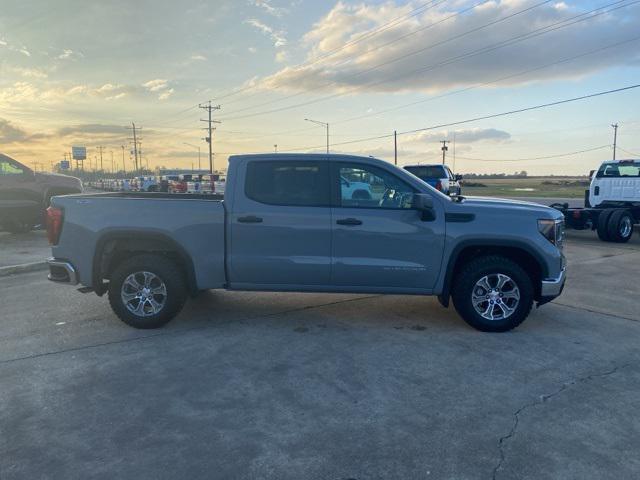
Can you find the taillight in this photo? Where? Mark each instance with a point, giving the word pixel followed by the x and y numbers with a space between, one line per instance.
pixel 54 224
pixel 439 185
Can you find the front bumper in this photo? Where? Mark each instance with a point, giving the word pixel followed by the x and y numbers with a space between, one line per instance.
pixel 551 288
pixel 61 271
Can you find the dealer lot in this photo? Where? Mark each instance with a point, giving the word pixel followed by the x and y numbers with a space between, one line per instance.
pixel 246 385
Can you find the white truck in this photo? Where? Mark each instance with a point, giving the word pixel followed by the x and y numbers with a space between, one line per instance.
pixel 612 203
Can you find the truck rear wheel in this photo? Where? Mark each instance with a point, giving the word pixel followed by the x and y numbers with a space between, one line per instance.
pixel 493 294
pixel 620 226
pixel 147 291
pixel 603 224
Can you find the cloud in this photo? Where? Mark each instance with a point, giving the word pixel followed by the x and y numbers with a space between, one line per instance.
pixel 269 8
pixel 277 36
pixel 68 54
pixel 10 133
pixel 92 129
pixel 462 136
pixel 198 57
pixel 422 61
pixel 28 72
pixel 252 49
pixel 159 86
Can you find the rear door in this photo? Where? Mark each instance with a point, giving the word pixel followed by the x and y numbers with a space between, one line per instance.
pixel 280 224
pixel 381 242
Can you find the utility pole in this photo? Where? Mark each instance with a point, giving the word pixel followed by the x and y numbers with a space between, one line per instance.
pixel 444 149
pixel 395 147
pixel 135 142
pixel 615 139
pixel 325 125
pixel 113 165
pixel 124 165
pixel 195 146
pixel 454 152
pixel 210 129
pixel 275 148
pixel 100 149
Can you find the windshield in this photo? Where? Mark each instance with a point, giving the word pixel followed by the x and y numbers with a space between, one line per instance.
pixel 427 171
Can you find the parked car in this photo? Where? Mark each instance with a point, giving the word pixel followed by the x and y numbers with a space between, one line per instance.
pixel 438 176
pixel 25 194
pixel 611 204
pixel 180 185
pixel 164 182
pixel 284 225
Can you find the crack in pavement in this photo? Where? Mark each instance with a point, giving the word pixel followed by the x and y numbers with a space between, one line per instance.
pixel 542 399
pixel 183 330
pixel 584 309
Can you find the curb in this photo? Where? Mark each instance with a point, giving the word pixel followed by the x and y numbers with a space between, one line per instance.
pixel 24 268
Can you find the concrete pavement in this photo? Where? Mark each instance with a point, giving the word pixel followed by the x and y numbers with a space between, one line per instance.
pixel 260 385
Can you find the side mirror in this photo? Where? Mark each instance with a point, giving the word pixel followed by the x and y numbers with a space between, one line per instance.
pixel 591 173
pixel 458 177
pixel 424 204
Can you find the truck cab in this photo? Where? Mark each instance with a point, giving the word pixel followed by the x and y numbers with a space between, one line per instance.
pixel 616 182
pixel 25 194
pixel 438 176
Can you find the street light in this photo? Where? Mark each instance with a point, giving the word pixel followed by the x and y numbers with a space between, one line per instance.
pixel 324 124
pixel 195 146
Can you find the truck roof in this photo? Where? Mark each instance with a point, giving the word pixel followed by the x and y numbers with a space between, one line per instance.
pixel 298 156
pixel 622 160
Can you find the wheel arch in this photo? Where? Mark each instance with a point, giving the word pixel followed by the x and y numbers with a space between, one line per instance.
pixel 519 252
pixel 115 246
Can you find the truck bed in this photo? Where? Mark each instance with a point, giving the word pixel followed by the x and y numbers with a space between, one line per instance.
pixel 193 223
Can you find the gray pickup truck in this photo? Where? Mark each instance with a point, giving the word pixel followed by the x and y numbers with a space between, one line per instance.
pixel 292 222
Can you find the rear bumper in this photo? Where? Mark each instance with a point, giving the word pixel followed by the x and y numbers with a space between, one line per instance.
pixel 552 288
pixel 61 271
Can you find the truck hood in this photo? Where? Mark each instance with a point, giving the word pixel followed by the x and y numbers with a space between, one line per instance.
pixel 475 203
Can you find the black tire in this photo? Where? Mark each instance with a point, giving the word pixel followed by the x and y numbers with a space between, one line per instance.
pixel 18 227
pixel 620 226
pixel 603 224
pixel 165 270
pixel 466 281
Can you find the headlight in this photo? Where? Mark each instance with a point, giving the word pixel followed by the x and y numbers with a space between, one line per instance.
pixel 552 230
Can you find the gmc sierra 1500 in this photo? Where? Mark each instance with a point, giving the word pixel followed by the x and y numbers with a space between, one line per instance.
pixel 290 222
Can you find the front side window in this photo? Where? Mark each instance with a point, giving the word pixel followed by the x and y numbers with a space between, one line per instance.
pixel 291 183
pixel 367 186
pixel 8 168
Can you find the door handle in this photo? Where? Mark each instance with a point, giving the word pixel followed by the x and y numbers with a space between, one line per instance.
pixel 349 221
pixel 250 219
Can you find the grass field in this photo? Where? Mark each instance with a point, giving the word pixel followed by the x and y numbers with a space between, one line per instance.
pixel 565 187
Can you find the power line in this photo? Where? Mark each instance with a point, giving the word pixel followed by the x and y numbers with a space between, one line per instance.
pixel 637 155
pixel 402 57
pixel 485 117
pixel 547 157
pixel 519 38
pixel 416 11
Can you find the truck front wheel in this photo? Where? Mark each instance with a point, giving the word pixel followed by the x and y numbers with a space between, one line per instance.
pixel 493 294
pixel 147 291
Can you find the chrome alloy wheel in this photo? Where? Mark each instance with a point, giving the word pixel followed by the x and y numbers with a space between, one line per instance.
pixel 625 227
pixel 143 293
pixel 495 296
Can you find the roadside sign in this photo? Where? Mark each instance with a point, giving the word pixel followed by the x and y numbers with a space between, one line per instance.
pixel 79 153
pixel 64 164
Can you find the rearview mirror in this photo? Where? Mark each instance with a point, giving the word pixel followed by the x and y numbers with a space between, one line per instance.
pixel 424 204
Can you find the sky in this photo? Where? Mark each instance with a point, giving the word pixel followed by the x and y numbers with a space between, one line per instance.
pixel 78 72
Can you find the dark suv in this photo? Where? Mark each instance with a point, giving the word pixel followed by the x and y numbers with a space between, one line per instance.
pixel 25 194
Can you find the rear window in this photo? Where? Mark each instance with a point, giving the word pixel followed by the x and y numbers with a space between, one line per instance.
pixel 621 169
pixel 290 183
pixel 427 171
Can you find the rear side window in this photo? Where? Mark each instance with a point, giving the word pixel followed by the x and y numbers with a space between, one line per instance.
pixel 427 172
pixel 8 168
pixel 292 183
pixel 622 169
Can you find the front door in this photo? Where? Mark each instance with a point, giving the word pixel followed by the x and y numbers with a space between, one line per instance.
pixel 280 225
pixel 379 241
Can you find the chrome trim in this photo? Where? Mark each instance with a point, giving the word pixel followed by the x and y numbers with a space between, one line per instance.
pixel 71 272
pixel 553 287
